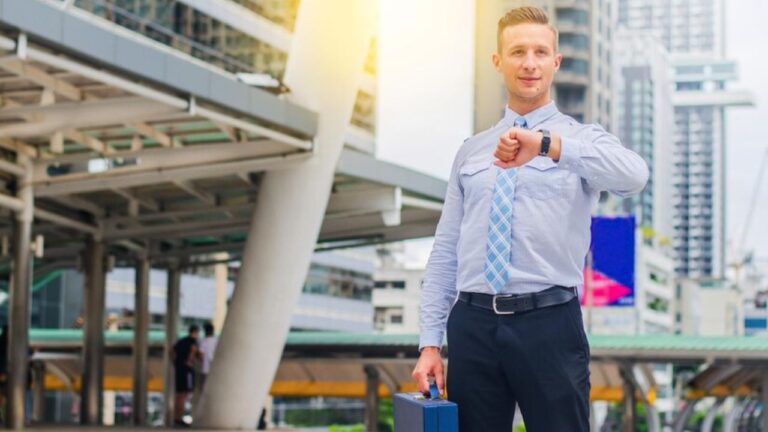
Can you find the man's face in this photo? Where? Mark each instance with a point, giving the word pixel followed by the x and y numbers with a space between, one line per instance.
pixel 527 61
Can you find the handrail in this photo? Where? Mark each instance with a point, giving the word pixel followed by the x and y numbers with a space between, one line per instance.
pixel 156 32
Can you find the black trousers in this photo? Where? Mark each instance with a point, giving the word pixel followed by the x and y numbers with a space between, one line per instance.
pixel 538 359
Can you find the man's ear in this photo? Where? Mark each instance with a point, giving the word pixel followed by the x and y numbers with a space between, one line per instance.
pixel 558 60
pixel 496 60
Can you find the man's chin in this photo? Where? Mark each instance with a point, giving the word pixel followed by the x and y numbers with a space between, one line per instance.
pixel 528 94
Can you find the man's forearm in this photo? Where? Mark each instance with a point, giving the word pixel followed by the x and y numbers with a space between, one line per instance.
pixel 602 161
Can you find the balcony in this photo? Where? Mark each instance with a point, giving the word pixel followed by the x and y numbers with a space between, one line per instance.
pixel 571 78
pixel 719 98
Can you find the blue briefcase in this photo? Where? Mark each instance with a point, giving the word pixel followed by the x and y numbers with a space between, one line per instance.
pixel 416 413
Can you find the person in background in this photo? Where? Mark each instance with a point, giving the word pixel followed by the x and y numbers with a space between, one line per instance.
pixel 185 353
pixel 207 350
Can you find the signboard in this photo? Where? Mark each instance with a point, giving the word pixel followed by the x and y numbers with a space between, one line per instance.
pixel 612 281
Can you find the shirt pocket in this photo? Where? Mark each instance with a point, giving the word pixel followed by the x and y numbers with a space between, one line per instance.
pixel 474 181
pixel 541 179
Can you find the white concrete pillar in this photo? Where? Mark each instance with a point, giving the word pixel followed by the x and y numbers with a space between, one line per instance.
pixel 108 414
pixel 329 46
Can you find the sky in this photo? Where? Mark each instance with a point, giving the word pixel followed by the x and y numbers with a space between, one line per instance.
pixel 745 23
pixel 425 106
pixel 425 95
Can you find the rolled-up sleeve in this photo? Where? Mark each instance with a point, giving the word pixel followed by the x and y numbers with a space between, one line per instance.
pixel 438 289
pixel 600 159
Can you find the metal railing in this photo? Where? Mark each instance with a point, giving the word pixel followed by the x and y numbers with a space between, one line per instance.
pixel 111 12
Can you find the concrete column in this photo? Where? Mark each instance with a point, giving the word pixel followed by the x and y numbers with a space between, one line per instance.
pixel 141 341
pixel 221 276
pixel 764 394
pixel 18 305
pixel 108 411
pixel 92 388
pixel 372 382
pixel 171 330
pixel 38 391
pixel 629 411
pixel 324 67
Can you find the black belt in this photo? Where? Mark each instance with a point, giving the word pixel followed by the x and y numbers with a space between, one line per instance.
pixel 506 304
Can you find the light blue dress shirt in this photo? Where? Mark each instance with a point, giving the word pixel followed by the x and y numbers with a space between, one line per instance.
pixel 550 213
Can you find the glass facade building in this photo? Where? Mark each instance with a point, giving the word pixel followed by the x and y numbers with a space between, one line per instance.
pixel 692 31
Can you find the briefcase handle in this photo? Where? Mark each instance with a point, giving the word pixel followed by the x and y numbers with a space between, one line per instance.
pixel 434 393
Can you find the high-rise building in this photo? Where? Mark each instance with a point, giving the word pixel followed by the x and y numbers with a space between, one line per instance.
pixel 644 121
pixel 582 87
pixel 693 33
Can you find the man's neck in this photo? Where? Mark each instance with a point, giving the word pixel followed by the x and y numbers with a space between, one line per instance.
pixel 524 107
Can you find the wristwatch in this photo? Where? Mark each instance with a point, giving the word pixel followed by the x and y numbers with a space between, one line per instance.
pixel 545 141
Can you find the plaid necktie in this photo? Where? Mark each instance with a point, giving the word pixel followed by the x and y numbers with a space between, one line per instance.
pixel 500 226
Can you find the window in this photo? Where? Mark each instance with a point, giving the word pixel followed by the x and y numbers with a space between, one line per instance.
pixel 689 86
pixel 685 70
pixel 577 66
pixel 727 68
pixel 397 284
pixel 573 16
pixel 575 41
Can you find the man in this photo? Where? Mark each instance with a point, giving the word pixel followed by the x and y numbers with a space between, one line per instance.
pixel 505 270
pixel 184 354
pixel 207 350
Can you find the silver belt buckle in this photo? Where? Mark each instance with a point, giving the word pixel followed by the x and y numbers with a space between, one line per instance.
pixel 496 310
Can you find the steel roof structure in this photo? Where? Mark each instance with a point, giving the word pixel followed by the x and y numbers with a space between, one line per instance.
pixel 165 159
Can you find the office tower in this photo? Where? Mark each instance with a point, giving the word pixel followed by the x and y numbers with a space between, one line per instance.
pixel 644 121
pixel 693 33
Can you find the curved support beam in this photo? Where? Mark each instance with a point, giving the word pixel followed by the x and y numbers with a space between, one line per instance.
pixel 683 416
pixel 709 420
pixel 631 373
pixel 731 422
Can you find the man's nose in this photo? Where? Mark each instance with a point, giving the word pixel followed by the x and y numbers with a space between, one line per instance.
pixel 529 61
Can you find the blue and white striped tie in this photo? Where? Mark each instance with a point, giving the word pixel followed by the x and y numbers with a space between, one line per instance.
pixel 500 226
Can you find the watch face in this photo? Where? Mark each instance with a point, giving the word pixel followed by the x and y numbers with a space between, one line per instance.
pixel 545 140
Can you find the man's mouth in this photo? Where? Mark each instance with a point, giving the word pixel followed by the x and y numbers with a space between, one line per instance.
pixel 528 80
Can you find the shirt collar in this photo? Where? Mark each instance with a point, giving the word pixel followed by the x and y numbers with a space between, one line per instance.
pixel 533 118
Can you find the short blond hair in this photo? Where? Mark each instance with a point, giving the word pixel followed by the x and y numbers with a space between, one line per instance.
pixel 523 15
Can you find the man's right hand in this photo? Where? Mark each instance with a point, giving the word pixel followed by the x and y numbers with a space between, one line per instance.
pixel 430 364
